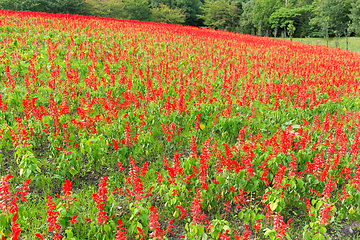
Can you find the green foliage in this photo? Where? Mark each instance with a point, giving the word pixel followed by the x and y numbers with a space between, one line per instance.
pixel 191 9
pixel 51 6
pixel 331 17
pixel 291 29
pixel 263 9
pixel 136 10
pixel 247 16
pixel 220 14
pixel 312 18
pixel 284 16
pixel 355 17
pixel 164 13
pixel 127 9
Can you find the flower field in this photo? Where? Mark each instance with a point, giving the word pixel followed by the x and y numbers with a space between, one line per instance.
pixel 114 129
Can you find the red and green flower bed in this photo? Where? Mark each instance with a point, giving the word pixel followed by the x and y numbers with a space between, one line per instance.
pixel 114 129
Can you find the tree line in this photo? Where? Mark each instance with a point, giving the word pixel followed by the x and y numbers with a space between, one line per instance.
pixel 275 18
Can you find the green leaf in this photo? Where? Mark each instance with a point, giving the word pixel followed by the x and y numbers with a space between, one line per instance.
pixel 322 230
pixel 221 180
pixel 318 237
pixel 201 230
pixel 204 236
pixel 267 231
pixel 73 172
pixel 194 229
pixel 273 206
pixel 247 217
pixel 307 234
pixel 69 233
pixel 27 173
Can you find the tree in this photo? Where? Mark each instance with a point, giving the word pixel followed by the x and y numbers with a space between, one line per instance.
pixel 190 8
pixel 332 16
pixel 51 6
pixel 247 17
pixel 355 17
pixel 263 10
pixel 136 10
pixel 124 9
pixel 220 14
pixel 299 17
pixel 291 29
pixel 165 14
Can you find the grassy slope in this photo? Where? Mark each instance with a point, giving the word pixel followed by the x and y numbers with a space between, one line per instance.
pixel 354 42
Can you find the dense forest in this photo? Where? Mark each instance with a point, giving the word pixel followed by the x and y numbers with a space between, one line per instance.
pixel 273 18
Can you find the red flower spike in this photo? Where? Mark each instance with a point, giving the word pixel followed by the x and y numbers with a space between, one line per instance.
pixel 141 233
pixel 154 224
pixel 101 199
pixel 73 220
pixel 170 226
pixel 120 233
pixel 52 215
pixel 40 236
pixel 224 236
pixel 183 212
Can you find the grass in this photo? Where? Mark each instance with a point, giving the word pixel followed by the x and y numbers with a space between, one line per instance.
pixel 354 42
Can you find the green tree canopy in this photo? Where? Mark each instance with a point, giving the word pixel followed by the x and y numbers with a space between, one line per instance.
pixel 191 9
pixel 125 9
pixel 355 17
pixel 220 14
pixel 332 17
pixel 51 6
pixel 247 17
pixel 263 10
pixel 164 13
pixel 299 17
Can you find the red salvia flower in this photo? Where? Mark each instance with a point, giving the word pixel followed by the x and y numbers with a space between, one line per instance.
pixel 183 212
pixel 144 169
pixel 52 215
pixel 15 228
pixel 57 236
pixel 227 208
pixel 40 236
pixel 23 190
pixel 279 175
pixel 128 141
pixel 159 179
pixel 196 213
pixel 325 212
pixel 73 220
pixel 257 226
pixel 120 233
pixel 224 236
pixel 141 233
pixel 153 219
pixel 5 195
pixel 204 164
pixel 330 185
pixel 121 166
pixel 101 200
pixel 170 226
pixel 279 226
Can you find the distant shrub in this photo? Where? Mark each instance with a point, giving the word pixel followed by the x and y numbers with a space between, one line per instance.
pixel 165 14
pixel 51 6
